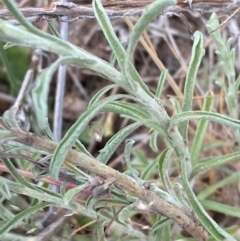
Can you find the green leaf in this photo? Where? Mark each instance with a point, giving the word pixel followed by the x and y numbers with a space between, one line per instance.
pixel 108 31
pixel 201 130
pixel 162 168
pixel 136 113
pixel 211 226
pixel 161 82
pixel 74 132
pixel 19 178
pixel 221 208
pixel 5 192
pixel 9 71
pixel 235 177
pixel 55 45
pixel 153 141
pixel 40 91
pixel 103 203
pixel 167 232
pixel 126 212
pixel 19 217
pixel 101 232
pixel 127 154
pixel 149 168
pixel 197 54
pixel 148 15
pixel 42 194
pixel 53 28
pixel 115 141
pixel 116 46
pixel 161 223
pixel 100 93
pixel 90 203
pixel 72 192
pixel 227 56
pixel 5 214
pixel 130 110
pixel 214 162
pixel 222 119
pixel 80 147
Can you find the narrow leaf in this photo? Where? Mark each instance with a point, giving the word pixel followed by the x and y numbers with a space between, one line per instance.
pixel 72 192
pixel 117 47
pixel 153 141
pixel 100 93
pixel 222 119
pixel 53 28
pixel 162 168
pixel 149 14
pixel 127 154
pixel 221 208
pixel 40 91
pixel 74 132
pixel 161 82
pixel 212 227
pixel 197 54
pixel 115 141
pixel 7 226
pixel 149 169
pixel 235 177
pixel 15 173
pixel 12 79
pixel 201 130
pixel 214 162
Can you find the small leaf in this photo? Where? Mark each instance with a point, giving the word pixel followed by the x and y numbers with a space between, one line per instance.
pixel 222 119
pixel 41 89
pixel 214 162
pixel 149 168
pixel 5 191
pixel 90 203
pixel 161 82
pixel 197 54
pixel 53 28
pixel 127 154
pixel 7 226
pixel 115 141
pixel 162 168
pixel 72 192
pixel 235 177
pixel 153 141
pixel 100 93
pixel 149 14
pixel 126 212
pixel 117 47
pixel 221 208
pixel 102 203
pixel 161 223
pixel 19 178
pixel 201 130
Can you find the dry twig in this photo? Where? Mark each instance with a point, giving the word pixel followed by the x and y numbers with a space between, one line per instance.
pixel 120 9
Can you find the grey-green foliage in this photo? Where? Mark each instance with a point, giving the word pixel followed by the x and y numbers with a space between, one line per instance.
pixel 226 56
pixel 147 110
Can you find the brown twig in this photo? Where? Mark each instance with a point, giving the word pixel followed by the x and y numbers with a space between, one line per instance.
pixel 126 184
pixel 120 9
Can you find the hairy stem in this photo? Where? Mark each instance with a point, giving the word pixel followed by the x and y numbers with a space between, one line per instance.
pixel 126 184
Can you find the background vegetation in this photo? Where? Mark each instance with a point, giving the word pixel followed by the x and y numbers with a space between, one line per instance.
pixel 147 152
